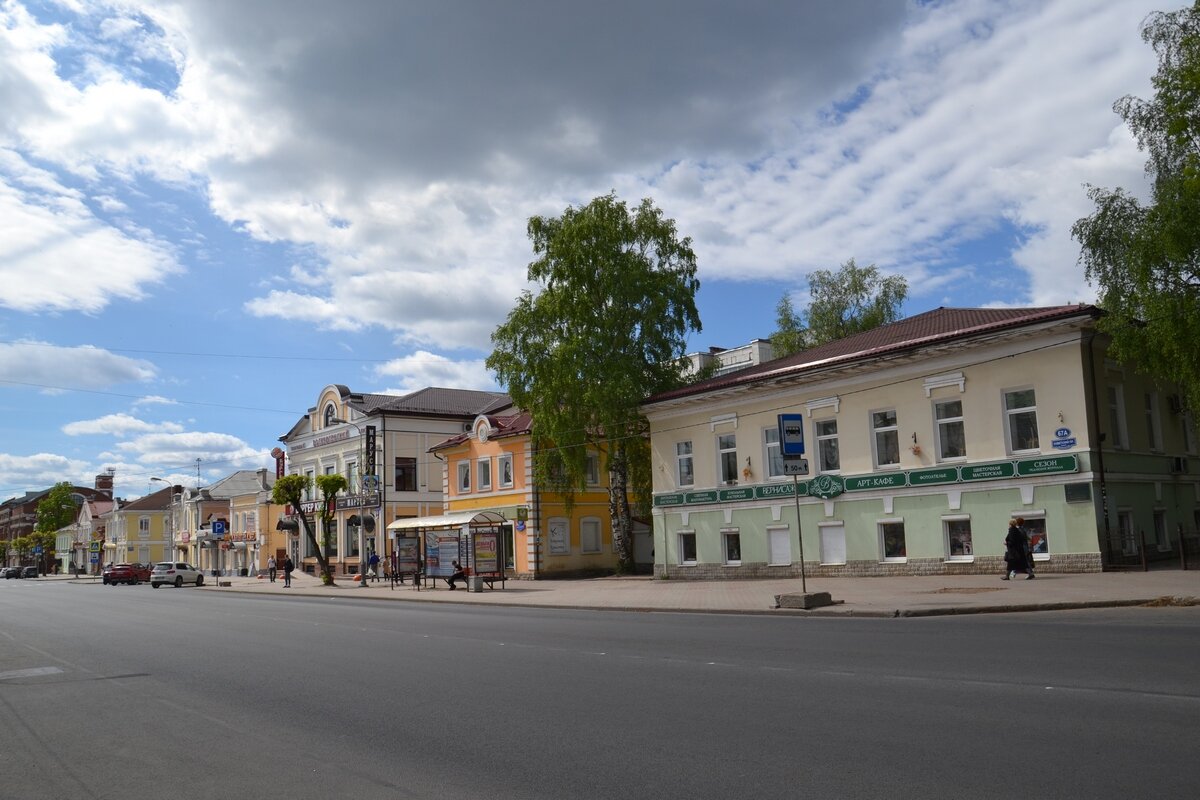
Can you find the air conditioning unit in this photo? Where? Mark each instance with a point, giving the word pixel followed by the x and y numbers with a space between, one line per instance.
pixel 1176 404
pixel 1179 465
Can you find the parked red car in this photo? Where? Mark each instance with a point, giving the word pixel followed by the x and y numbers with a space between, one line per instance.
pixel 126 573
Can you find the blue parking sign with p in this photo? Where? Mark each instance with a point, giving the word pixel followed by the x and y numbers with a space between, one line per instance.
pixel 791 434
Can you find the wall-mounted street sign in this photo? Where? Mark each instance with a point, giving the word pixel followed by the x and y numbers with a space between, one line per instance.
pixel 794 465
pixel 791 436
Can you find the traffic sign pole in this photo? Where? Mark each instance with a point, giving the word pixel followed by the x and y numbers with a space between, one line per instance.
pixel 799 533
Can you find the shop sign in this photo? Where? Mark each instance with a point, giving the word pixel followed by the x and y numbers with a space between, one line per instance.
pixel 925 477
pixel 988 472
pixel 891 480
pixel 356 501
pixel 826 486
pixel 735 495
pixel 1048 466
pixel 700 497
pixel 669 500
pixel 774 490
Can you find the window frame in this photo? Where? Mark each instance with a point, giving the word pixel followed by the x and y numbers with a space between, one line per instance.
pixel 1118 420
pixel 483 469
pixel 949 521
pixel 882 526
pixel 583 535
pixel 1011 415
pixel 945 422
pixel 552 548
pixel 727 459
pixel 404 465
pixel 772 454
pixel 821 440
pixel 731 536
pixel 464 476
pixel 592 469
pixel 1154 435
pixel 501 460
pixel 688 457
pixel 681 537
pixel 876 430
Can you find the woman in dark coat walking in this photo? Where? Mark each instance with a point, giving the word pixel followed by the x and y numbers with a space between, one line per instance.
pixel 1016 552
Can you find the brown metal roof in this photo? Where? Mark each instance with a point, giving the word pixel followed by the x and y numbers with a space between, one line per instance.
pixel 937 327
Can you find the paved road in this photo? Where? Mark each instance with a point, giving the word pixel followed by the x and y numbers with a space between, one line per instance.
pixel 131 692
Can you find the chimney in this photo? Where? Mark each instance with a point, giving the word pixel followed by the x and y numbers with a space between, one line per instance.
pixel 104 484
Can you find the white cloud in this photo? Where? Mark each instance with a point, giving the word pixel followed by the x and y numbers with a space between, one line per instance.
pixel 423 369
pixel 120 425
pixel 43 365
pixel 221 450
pixel 154 399
pixel 41 471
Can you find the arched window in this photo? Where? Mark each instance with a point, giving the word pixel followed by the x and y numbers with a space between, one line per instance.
pixel 329 415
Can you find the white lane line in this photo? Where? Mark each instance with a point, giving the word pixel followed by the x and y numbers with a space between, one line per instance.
pixel 34 672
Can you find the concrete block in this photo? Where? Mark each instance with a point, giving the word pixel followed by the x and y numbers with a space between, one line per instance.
pixel 806 601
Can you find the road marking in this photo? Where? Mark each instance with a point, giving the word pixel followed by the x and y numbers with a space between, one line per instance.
pixel 33 672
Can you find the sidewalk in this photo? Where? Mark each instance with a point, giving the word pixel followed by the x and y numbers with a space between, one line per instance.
pixel 874 597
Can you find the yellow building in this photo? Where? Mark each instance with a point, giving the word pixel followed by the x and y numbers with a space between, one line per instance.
pixel 139 530
pixel 489 468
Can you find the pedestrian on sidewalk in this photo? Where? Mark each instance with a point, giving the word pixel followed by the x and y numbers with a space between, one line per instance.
pixel 288 566
pixel 373 561
pixel 1028 548
pixel 1015 552
pixel 271 568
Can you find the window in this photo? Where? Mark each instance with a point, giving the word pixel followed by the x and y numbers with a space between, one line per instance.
pixel 483 471
pixel 504 466
pixel 891 539
pixel 683 463
pixel 353 482
pixel 772 454
pixel 727 468
pixel 1153 423
pixel 593 469
pixel 1161 537
pixel 1119 436
pixel 828 458
pixel 310 484
pixel 143 527
pixel 731 545
pixel 406 474
pixel 1129 545
pixel 951 436
pixel 352 540
pixel 589 535
pixel 1020 409
pixel 464 476
pixel 329 415
pixel 687 548
pixel 886 440
pixel 958 539
pixel 1189 432
pixel 1039 544
pixel 331 541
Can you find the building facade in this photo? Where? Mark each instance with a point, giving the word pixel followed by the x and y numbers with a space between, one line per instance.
pixel 922 439
pixel 380 443
pixel 138 529
pixel 490 469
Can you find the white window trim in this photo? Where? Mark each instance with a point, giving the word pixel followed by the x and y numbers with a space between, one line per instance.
pixel 1009 412
pixel 722 419
pixel 817 447
pixel 944 380
pixel 679 457
pixel 937 432
pixel 725 550
pixel 766 454
pixel 459 469
pixel 480 464
pixel 771 529
pixel 679 547
pixel 834 402
pixel 875 440
pixel 721 479
pixel 1121 434
pixel 946 538
pixel 599 535
pixel 500 471
pixel 879 523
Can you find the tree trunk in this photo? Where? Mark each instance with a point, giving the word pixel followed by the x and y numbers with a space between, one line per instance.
pixel 618 509
pixel 322 559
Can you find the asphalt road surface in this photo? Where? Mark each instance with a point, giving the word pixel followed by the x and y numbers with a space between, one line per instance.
pixel 132 692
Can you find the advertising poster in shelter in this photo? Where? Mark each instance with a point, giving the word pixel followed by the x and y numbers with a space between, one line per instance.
pixel 441 549
pixel 487 551
pixel 407 556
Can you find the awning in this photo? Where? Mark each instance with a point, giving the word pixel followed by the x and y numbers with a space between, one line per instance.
pixel 448 521
pixel 287 525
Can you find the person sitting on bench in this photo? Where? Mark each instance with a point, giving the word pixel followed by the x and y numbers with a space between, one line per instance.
pixel 457 576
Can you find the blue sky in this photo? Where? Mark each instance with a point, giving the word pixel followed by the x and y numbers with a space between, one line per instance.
pixel 211 209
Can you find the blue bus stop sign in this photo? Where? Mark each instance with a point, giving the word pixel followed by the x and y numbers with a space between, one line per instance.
pixel 791 434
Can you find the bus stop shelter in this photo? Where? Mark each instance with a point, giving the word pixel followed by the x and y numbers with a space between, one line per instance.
pixel 426 546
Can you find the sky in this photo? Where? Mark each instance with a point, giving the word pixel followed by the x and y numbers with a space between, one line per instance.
pixel 210 210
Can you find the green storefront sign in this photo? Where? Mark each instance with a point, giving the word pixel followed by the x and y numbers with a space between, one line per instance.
pixel 890 480
pixel 1047 466
pixel 700 497
pixel 988 472
pixel 826 486
pixel 669 500
pixel 735 495
pixel 773 490
pixel 928 477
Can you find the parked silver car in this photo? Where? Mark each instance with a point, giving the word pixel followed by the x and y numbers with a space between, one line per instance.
pixel 175 573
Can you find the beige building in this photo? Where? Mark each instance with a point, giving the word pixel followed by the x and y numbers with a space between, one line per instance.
pixel 922 439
